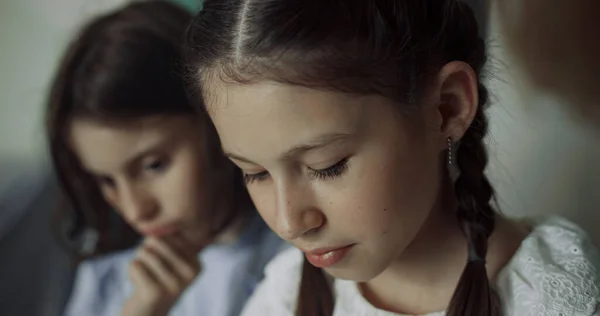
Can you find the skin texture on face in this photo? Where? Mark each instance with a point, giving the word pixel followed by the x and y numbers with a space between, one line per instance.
pixel 388 168
pixel 150 170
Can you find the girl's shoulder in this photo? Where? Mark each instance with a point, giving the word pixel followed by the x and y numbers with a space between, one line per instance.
pixel 230 274
pixel 555 271
pixel 100 284
pixel 277 294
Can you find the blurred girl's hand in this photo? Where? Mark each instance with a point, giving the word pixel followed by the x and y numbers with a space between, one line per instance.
pixel 162 270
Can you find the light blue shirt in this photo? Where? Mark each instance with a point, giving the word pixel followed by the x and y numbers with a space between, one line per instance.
pixel 229 275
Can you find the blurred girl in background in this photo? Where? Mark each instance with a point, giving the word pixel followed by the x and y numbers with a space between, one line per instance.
pixel 124 137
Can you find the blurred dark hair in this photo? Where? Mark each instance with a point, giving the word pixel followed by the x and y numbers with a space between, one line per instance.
pixel 384 47
pixel 124 66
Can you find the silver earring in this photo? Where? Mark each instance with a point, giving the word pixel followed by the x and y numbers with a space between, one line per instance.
pixel 449 140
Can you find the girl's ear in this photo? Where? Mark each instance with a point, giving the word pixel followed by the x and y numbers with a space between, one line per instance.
pixel 457 100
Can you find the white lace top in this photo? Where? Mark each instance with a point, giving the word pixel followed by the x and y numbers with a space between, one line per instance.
pixel 555 272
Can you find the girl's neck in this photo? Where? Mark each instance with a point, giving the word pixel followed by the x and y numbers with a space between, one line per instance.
pixel 423 279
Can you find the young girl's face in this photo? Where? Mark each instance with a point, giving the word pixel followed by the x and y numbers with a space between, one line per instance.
pixel 348 179
pixel 150 170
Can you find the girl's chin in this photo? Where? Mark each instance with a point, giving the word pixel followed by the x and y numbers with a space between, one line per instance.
pixel 197 241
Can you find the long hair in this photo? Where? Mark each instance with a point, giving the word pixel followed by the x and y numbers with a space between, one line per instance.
pixel 123 66
pixel 389 48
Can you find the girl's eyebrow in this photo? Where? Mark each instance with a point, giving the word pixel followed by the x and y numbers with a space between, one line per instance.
pixel 315 142
pixel 132 161
pixel 155 149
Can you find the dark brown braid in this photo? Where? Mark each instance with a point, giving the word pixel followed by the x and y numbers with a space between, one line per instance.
pixel 473 295
pixel 315 298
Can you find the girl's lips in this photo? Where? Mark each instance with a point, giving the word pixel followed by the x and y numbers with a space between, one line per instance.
pixel 160 231
pixel 327 257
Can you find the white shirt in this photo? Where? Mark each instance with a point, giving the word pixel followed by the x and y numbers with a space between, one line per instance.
pixel 230 273
pixel 553 273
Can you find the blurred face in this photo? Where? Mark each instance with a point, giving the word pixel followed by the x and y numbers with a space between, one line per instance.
pixel 346 179
pixel 150 170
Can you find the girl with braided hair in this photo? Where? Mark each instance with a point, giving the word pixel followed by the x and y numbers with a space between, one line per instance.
pixel 359 128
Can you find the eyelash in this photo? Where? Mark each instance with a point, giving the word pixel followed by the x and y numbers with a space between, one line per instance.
pixel 105 181
pixel 251 177
pixel 156 166
pixel 331 172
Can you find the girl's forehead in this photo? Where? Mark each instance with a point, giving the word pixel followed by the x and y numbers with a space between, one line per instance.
pixel 266 119
pixel 277 107
pixel 270 98
pixel 102 146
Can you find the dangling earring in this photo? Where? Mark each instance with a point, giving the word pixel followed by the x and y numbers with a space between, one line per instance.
pixel 449 140
pixel 452 168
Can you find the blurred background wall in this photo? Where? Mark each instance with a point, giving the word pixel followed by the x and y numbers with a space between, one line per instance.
pixel 542 162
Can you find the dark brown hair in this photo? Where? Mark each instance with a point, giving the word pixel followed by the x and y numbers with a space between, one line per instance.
pixel 392 48
pixel 124 66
